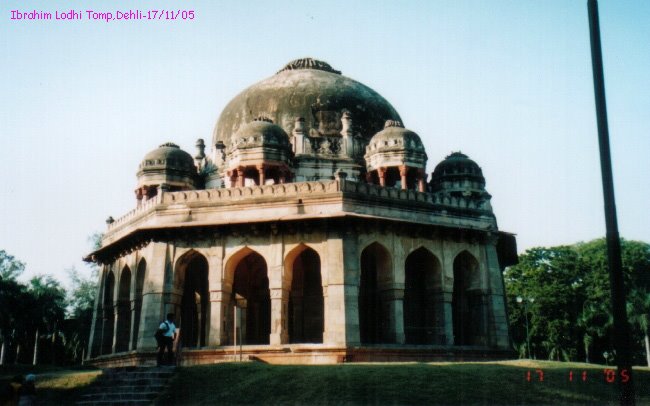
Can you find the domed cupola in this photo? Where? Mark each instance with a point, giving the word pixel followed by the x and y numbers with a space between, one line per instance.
pixel 396 155
pixel 459 176
pixel 167 165
pixel 261 152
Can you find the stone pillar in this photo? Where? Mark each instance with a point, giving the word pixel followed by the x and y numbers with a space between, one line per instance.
pixel 260 171
pixel 341 265
pixel 153 311
pixel 393 307
pixel 381 173
pixel 95 327
pixel 422 181
pixel 279 292
pixel 138 196
pixel 279 315
pixel 299 136
pixel 219 299
pixel 240 176
pixel 403 171
pixel 497 318
pixel 116 323
pixel 132 305
pixel 448 319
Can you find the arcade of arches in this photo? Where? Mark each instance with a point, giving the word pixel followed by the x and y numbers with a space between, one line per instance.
pixel 411 298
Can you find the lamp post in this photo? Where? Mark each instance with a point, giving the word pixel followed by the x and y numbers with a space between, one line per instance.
pixel 525 301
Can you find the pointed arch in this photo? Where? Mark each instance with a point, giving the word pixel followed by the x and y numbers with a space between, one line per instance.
pixel 108 318
pixel 422 294
pixel 306 313
pixel 246 272
pixel 137 306
pixel 376 275
pixel 191 278
pixel 123 311
pixel 468 305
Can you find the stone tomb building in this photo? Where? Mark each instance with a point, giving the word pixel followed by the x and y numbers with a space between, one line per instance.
pixel 313 214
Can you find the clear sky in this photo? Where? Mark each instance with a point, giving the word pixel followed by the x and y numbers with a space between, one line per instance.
pixel 507 82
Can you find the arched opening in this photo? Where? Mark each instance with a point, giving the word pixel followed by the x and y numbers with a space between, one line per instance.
pixel 251 294
pixel 374 315
pixel 306 312
pixel 468 309
pixel 109 315
pixel 193 277
pixel 123 312
pixel 422 287
pixel 137 306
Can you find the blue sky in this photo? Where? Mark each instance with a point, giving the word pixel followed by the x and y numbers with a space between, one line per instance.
pixel 507 82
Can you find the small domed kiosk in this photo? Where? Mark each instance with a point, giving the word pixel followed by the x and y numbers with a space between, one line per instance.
pixel 395 156
pixel 168 167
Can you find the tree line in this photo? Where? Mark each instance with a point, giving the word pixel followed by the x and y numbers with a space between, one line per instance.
pixel 41 322
pixel 563 294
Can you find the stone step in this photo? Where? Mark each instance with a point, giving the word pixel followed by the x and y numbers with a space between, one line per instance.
pixel 120 396
pixel 128 389
pixel 127 386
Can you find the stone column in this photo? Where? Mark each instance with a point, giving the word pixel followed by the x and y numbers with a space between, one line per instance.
pixel 392 298
pixel 240 176
pixel 279 315
pixel 381 173
pixel 139 195
pixel 448 319
pixel 497 318
pixel 341 265
pixel 260 171
pixel 219 299
pixel 299 136
pixel 95 326
pixel 278 287
pixel 153 311
pixel 422 180
pixel 403 171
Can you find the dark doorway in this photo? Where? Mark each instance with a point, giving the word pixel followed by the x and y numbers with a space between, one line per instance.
pixel 467 306
pixel 306 313
pixel 422 269
pixel 251 285
pixel 194 304
pixel 373 314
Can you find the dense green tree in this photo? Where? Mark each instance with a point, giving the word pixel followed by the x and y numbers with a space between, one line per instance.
pixel 570 317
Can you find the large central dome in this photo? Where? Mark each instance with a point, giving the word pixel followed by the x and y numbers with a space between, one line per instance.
pixel 310 89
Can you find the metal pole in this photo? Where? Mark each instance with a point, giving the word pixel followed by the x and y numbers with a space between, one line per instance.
pixel 234 342
pixel 527 333
pixel 617 290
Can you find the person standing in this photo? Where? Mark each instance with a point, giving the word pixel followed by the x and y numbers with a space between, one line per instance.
pixel 167 330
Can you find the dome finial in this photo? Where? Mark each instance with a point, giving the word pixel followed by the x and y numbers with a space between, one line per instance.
pixel 309 63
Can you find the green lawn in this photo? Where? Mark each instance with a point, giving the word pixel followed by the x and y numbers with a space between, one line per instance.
pixel 495 383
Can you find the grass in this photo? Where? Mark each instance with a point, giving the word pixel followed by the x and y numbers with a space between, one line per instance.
pixel 54 385
pixel 488 383
pixel 494 383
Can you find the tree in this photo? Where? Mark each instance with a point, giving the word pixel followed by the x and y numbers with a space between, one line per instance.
pixel 81 305
pixel 571 315
pixel 10 267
